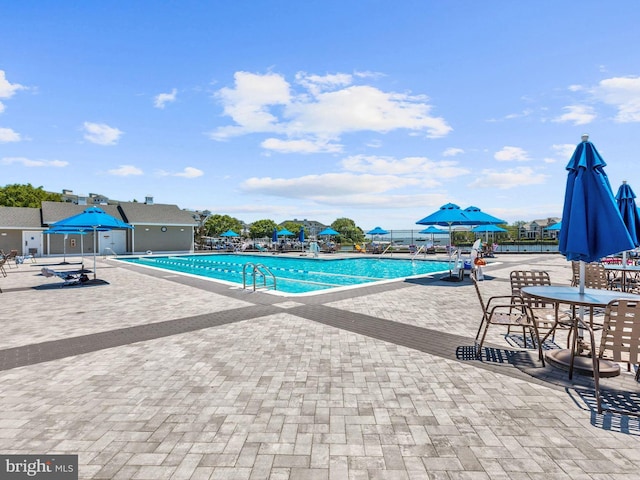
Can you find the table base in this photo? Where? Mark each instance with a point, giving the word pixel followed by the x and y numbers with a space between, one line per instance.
pixel 561 358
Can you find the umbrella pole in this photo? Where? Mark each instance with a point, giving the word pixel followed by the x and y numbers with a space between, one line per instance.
pixel 95 243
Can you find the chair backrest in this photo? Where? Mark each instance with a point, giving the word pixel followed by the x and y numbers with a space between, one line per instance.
pixel 595 275
pixel 474 279
pixel 621 332
pixel 529 278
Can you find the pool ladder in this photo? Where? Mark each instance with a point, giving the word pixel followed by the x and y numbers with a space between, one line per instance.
pixel 257 268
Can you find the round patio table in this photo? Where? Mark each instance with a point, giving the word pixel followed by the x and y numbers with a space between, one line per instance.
pixel 624 270
pixel 591 297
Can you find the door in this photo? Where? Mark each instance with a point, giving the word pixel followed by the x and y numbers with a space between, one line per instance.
pixel 32 243
pixel 113 242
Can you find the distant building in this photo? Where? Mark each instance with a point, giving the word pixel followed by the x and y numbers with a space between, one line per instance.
pixel 538 229
pixel 159 228
pixel 312 227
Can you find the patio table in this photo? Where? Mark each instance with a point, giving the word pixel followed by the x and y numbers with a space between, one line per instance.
pixel 592 298
pixel 624 270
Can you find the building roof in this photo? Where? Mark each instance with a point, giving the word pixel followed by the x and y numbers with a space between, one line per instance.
pixel 20 217
pixel 53 212
pixel 137 213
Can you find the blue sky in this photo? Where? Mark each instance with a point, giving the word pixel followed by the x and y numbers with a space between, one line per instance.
pixel 379 111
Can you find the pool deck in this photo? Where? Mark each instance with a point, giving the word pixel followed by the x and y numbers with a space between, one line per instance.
pixel 155 375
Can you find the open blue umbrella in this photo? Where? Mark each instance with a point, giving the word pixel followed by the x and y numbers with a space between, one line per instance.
pixel 447 215
pixel 481 218
pixel 554 227
pixel 377 231
pixel 592 226
pixel 92 219
pixel 229 233
pixel 328 231
pixel 486 229
pixel 70 231
pixel 285 233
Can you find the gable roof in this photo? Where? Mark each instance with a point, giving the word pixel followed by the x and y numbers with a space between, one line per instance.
pixel 20 217
pixel 53 212
pixel 137 213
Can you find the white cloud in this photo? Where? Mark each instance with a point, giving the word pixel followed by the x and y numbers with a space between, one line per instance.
pixel 26 162
pixel 101 133
pixel 8 135
pixel 125 171
pixel 452 152
pixel 190 172
pixel 510 154
pixel 7 89
pixel 326 185
pixel 329 107
pixel 417 167
pixel 563 151
pixel 300 146
pixel 162 99
pixel 623 93
pixel 508 179
pixel 577 114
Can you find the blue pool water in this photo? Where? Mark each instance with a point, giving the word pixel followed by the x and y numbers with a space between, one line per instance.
pixel 293 275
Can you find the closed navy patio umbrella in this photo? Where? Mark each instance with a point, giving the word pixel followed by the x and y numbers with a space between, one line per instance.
pixel 592 226
pixel 626 200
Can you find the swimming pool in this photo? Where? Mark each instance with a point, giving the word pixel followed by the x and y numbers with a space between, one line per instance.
pixel 292 275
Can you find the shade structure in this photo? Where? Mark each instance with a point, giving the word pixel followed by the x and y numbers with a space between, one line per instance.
pixel 554 227
pixel 487 228
pixel 447 215
pixel 377 231
pixel 433 231
pixel 64 243
pixel 328 231
pixel 92 219
pixel 285 233
pixel 592 226
pixel 481 218
pixel 301 236
pixel 274 236
pixel 626 200
pixel 229 233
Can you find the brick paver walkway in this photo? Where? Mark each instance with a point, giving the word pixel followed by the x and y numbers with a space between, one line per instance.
pixel 155 375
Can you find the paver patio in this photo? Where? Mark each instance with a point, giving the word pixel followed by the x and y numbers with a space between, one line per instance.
pixel 156 375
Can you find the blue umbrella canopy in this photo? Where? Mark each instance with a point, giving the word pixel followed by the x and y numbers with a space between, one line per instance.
pixel 481 218
pixel 285 233
pixel 92 219
pixel 328 231
pixel 377 231
pixel 592 226
pixel 229 233
pixel 448 215
pixel 555 226
pixel 626 200
pixel 487 228
pixel 432 229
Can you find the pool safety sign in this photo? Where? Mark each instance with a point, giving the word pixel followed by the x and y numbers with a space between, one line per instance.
pixel 39 467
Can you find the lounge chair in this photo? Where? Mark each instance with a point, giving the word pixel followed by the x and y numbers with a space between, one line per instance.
pixel 69 277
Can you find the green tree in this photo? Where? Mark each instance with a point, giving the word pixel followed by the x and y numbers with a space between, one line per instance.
pixel 348 230
pixel 262 228
pixel 17 195
pixel 293 227
pixel 217 224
